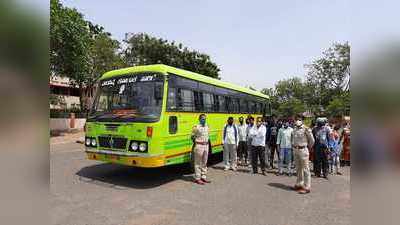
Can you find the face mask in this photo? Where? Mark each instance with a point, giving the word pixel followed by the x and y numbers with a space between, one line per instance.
pixel 202 121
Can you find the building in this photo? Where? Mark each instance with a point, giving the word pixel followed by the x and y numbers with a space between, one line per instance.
pixel 62 94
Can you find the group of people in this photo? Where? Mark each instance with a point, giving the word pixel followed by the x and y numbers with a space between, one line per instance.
pixel 251 143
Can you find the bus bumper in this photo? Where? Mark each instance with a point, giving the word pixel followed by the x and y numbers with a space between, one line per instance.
pixel 125 158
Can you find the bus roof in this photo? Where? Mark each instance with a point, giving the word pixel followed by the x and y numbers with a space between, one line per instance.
pixel 184 73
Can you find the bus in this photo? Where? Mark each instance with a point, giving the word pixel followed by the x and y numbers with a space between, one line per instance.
pixel 143 116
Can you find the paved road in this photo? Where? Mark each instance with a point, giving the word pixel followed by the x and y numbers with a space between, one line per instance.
pixel 87 192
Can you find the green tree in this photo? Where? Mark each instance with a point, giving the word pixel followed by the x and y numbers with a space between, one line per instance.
pixel 329 76
pixel 70 42
pixel 80 50
pixel 144 49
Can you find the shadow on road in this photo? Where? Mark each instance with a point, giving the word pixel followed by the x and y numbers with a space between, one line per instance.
pixel 281 186
pixel 138 178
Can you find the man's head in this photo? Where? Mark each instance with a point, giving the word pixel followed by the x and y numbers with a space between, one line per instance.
pixel 259 121
pixel 251 120
pixel 298 123
pixel 241 120
pixel 230 120
pixel 202 119
pixel 286 124
pixel 320 122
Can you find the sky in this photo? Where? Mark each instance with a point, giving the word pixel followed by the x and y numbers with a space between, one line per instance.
pixel 255 43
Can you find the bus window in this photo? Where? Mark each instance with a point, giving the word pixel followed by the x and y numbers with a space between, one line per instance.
pixel 208 101
pixel 243 106
pixel 171 101
pixel 222 106
pixel 216 103
pixel 173 124
pixel 185 100
pixel 198 101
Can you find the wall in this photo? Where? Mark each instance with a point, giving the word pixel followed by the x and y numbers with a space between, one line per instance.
pixel 64 124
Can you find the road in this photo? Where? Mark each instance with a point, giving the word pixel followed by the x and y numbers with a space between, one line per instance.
pixel 85 192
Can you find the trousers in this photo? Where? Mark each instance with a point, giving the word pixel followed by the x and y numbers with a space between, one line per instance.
pixel 301 158
pixel 200 161
pixel 258 152
pixel 230 156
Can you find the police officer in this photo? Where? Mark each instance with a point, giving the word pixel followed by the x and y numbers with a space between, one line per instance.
pixel 200 134
pixel 321 136
pixel 302 140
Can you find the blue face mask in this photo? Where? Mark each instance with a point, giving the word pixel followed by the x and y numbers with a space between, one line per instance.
pixel 202 121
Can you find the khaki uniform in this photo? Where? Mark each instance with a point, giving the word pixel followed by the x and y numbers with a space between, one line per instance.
pixel 201 137
pixel 301 139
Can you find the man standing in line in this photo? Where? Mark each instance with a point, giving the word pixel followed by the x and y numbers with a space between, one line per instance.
pixel 249 140
pixel 230 141
pixel 242 146
pixel 284 142
pixel 272 133
pixel 257 133
pixel 302 140
pixel 321 136
pixel 200 134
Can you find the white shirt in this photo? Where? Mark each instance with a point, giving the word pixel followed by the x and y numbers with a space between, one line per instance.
pixel 242 132
pixel 230 135
pixel 285 137
pixel 258 135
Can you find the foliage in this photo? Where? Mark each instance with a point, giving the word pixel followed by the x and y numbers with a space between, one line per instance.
pixel 325 91
pixel 144 49
pixel 329 76
pixel 79 50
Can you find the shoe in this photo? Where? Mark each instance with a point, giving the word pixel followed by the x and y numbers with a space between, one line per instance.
pixel 199 182
pixel 234 169
pixel 289 174
pixel 326 177
pixel 254 172
pixel 339 173
pixel 297 188
pixel 226 168
pixel 304 191
pixel 205 181
pixel 263 173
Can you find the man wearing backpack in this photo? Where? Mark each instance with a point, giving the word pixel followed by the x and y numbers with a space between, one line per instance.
pixel 230 141
pixel 321 135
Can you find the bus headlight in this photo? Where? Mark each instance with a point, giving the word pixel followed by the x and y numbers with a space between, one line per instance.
pixel 142 147
pixel 94 142
pixel 134 146
pixel 87 141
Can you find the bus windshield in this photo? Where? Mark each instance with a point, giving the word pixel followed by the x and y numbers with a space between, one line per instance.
pixel 135 98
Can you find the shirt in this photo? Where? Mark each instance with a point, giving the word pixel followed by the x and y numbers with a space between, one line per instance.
pixel 200 133
pixel 258 135
pixel 248 128
pixel 284 138
pixel 302 136
pixel 230 137
pixel 242 132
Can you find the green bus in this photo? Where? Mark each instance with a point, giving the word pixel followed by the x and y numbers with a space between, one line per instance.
pixel 143 116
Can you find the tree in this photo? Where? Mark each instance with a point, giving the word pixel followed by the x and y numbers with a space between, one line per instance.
pixel 329 76
pixel 79 50
pixel 144 49
pixel 287 97
pixel 70 42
